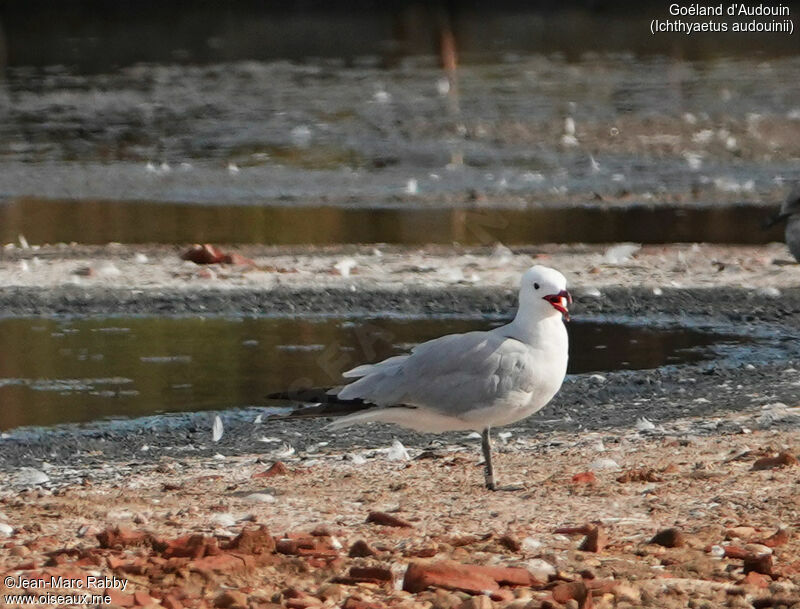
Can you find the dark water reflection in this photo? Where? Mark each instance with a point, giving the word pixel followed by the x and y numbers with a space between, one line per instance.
pixel 45 221
pixel 54 371
pixel 100 36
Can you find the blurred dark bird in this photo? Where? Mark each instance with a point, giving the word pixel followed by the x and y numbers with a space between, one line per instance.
pixel 790 211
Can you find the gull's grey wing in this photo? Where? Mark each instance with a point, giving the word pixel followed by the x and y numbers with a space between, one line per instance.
pixel 448 374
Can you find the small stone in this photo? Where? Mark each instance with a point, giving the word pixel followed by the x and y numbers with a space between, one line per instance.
pixel 540 569
pixel 6 530
pixel 444 599
pixel 477 602
pixel 332 592
pixel 254 540
pixel 571 591
pixel 668 538
pixel 203 254
pixel 642 474
pixel 30 476
pixel 260 498
pixel 361 549
pixel 627 593
pixel 604 464
pixel 230 599
pixel 740 533
pixel 784 459
pixel 321 531
pixel 387 520
pixel 510 543
pixel 20 551
pixel 224 519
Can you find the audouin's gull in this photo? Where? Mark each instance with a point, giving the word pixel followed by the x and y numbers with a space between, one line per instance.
pixel 790 211
pixel 474 381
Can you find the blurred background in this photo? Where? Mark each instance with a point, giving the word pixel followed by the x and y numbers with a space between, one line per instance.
pixel 398 106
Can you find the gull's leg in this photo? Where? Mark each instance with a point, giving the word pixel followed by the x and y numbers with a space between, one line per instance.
pixel 486 445
pixel 491 484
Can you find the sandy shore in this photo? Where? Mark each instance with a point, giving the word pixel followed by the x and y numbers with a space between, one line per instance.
pixel 584 525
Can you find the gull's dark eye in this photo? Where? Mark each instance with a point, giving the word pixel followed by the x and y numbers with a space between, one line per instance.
pixel 535 286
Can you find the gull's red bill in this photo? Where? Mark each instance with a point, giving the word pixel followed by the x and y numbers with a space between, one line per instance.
pixel 560 302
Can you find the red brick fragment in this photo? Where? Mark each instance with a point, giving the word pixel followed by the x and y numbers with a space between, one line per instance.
pixel 276 469
pixel 584 478
pixel 318 547
pixel 448 575
pixel 423 552
pixel 778 538
pixel 203 254
pixel 253 540
pixel 739 552
pixel 190 546
pixel 473 579
pixel 760 564
pixel 757 580
pixel 221 563
pixel 573 591
pixel 595 540
pixel 784 459
pixel 119 598
pixel 117 538
pixel 387 520
pixel 171 602
pixel 376 574
pixel 210 254
pixel 142 598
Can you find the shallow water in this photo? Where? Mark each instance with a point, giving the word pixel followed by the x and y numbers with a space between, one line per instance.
pixel 87 368
pixel 47 221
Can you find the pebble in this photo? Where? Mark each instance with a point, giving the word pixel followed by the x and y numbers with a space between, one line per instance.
pixel 224 519
pixel 260 498
pixel 29 476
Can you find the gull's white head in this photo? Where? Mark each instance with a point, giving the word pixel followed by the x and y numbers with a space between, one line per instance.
pixel 543 292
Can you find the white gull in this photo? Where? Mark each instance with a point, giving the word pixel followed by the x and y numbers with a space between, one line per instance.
pixel 473 381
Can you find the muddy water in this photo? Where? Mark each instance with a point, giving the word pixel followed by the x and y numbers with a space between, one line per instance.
pixel 86 369
pixel 53 221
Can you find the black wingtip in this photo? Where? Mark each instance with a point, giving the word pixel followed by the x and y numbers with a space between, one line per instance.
pixel 313 395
